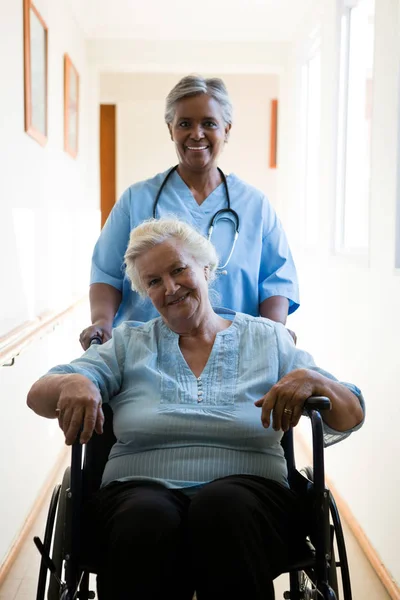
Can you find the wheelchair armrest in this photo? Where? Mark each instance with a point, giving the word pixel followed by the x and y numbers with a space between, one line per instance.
pixel 317 403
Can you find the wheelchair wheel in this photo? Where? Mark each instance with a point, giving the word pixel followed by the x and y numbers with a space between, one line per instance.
pixel 48 535
pixel 59 537
pixel 342 553
pixel 337 536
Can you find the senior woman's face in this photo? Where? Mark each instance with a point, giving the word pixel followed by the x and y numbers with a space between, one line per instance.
pixel 199 131
pixel 175 283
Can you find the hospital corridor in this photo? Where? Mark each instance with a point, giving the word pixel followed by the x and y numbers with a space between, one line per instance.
pixel 201 209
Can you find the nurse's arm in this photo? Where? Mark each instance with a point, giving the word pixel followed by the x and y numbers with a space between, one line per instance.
pixel 275 308
pixel 105 300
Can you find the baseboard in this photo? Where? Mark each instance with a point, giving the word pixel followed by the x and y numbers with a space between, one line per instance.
pixel 359 534
pixel 26 528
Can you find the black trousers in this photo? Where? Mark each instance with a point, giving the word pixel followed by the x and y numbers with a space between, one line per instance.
pixel 229 541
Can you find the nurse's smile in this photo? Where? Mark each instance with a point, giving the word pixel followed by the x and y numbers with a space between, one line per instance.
pixel 197 148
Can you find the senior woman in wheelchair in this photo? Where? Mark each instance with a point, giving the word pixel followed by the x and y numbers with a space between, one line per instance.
pixel 194 495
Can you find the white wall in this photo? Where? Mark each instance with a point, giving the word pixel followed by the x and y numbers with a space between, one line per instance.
pixel 144 56
pixel 29 445
pixel 143 143
pixel 349 318
pixel 47 198
pixel 49 220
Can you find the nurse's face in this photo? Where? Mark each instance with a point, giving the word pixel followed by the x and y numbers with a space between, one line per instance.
pixel 198 131
pixel 176 284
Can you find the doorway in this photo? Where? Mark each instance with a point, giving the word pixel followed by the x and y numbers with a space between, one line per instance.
pixel 107 159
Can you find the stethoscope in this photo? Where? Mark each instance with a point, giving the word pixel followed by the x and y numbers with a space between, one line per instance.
pixel 215 218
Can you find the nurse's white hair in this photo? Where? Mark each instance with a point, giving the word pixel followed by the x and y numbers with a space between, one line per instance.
pixel 193 85
pixel 156 231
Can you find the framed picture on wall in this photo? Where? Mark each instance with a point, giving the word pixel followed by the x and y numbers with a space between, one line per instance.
pixel 35 73
pixel 71 107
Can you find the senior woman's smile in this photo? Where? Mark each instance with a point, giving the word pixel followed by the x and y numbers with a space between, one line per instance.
pixel 179 300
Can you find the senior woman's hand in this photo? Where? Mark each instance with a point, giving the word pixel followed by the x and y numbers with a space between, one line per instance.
pixel 79 405
pixel 73 399
pixel 285 401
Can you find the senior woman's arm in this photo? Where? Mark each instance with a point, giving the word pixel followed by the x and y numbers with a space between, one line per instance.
pixel 74 392
pixel 298 379
pixel 291 392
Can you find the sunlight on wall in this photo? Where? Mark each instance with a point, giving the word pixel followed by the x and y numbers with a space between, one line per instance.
pixel 24 230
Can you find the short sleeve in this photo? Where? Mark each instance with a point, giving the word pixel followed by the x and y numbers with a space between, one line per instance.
pixel 109 251
pixel 103 365
pixel 291 358
pixel 278 276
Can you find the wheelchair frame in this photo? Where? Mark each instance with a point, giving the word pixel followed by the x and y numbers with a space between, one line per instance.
pixel 312 576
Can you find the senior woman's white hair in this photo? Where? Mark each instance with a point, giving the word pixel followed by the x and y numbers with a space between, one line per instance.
pixel 193 85
pixel 152 232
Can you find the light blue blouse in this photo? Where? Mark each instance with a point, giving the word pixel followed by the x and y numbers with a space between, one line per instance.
pixel 261 265
pixel 184 431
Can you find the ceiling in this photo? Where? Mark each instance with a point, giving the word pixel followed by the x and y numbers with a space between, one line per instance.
pixel 187 20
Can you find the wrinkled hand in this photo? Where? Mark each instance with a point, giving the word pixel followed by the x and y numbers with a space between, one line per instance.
pixel 79 404
pixel 101 329
pixel 289 394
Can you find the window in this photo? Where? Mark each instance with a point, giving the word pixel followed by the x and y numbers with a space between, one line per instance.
pixel 354 126
pixel 311 113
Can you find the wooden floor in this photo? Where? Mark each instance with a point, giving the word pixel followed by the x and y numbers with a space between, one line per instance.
pixel 21 581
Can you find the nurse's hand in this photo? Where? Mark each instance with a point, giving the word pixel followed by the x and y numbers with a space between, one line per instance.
pixel 79 405
pixel 101 329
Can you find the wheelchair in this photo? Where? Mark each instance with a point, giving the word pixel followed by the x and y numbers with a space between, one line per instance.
pixel 313 569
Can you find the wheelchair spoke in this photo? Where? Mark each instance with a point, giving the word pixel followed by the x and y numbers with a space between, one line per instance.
pixel 307 586
pixel 78 586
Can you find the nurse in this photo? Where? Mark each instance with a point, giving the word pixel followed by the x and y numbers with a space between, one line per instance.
pixel 257 277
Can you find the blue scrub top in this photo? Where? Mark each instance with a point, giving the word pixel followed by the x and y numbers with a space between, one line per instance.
pixel 261 265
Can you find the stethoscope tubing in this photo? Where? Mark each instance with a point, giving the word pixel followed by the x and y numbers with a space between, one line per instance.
pixel 216 216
